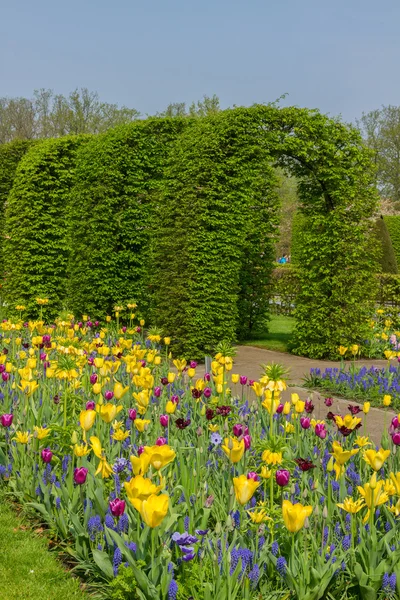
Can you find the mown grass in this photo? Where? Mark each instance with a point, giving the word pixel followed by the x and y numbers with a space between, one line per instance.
pixel 28 570
pixel 277 338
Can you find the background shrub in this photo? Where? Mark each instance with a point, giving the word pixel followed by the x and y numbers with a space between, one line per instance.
pixel 393 224
pixel 388 262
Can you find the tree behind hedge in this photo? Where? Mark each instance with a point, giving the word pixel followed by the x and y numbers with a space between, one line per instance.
pixel 36 248
pixel 110 221
pixel 393 224
pixel 387 257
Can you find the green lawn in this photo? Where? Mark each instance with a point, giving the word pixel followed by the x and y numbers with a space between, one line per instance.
pixel 28 571
pixel 278 336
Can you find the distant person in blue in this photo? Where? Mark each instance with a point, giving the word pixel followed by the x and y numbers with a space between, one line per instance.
pixel 282 260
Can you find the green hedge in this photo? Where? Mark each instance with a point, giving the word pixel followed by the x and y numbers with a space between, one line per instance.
pixel 10 156
pixel 393 225
pixel 299 224
pixel 117 182
pixel 36 249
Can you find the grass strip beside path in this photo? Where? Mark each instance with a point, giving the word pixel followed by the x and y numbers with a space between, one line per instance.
pixel 28 571
pixel 277 338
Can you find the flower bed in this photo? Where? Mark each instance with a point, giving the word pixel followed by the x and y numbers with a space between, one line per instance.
pixel 170 484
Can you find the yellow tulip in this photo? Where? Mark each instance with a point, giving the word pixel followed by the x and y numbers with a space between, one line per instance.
pixel 233 449
pixel 351 506
pixel 342 456
pixel 96 388
pixel 244 488
pixel 387 400
pixel 362 441
pixel 257 388
pixel 108 411
pixel 22 437
pixel 104 468
pixel 86 419
pixel 270 404
pixel 120 390
pixel 289 428
pixel 171 377
pixel 272 458
pixel 213 428
pixel 159 456
pixel 180 365
pixel 354 348
pixel 42 432
pixel 259 515
pixel 235 378
pixel 375 459
pixel 96 446
pixel 191 373
pixel 286 408
pixel 154 509
pixel 295 515
pixel 139 488
pixel 167 341
pixel 395 478
pixel 28 387
pixel 265 472
pixel 347 421
pixel 157 360
pixel 81 450
pixel 299 406
pixel 119 435
pixel 373 494
pixel 140 464
pixel 141 424
pixel 142 398
pixel 366 407
pixel 294 398
pixel 342 350
pixel 170 407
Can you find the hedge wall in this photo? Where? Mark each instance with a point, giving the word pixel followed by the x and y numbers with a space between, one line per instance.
pixel 118 177
pixel 299 224
pixel 393 225
pixel 36 248
pixel 387 259
pixel 10 156
pixel 214 233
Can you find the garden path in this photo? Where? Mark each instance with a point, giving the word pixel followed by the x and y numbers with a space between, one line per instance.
pixel 249 359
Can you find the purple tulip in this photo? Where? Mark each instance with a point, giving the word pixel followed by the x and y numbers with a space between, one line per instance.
pixel 207 392
pixel 175 399
pixel 396 438
pixel 309 406
pixel 164 420
pixel 305 422
pixel 243 380
pixel 157 392
pixel 90 405
pixel 96 323
pixel 247 442
pixel 320 431
pixel 2 368
pixel 46 455
pixel 207 377
pixel 5 376
pixel 124 329
pixel 328 401
pixel 43 356
pixel 252 475
pixel 279 409
pixel 251 381
pixel 109 395
pixel 117 507
pixel 395 421
pixel 80 474
pixel 6 420
pixel 193 364
pixel 89 324
pixel 140 450
pixel 240 429
pixel 282 477
pixel 132 414
pixel 93 378
pixel 46 338
pixel 161 441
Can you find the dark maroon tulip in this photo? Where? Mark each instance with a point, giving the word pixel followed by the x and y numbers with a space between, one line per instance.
pixel 305 422
pixel 109 395
pixel 46 455
pixel 330 416
pixel 5 376
pixel 132 414
pixel 161 441
pixel 209 414
pixel 138 329
pixel 93 378
pixel 56 399
pixel 279 409
pixel 282 477
pixel 196 394
pixel 164 380
pixel 305 465
pixel 252 475
pixel 117 507
pixel 251 381
pixel 243 380
pixel 309 406
pixel 182 423
pixel 223 410
pixel 164 420
pixel 396 438
pixel 328 401
pixel 354 410
pixel 6 420
pixel 90 405
pixel 80 475
pixel 157 391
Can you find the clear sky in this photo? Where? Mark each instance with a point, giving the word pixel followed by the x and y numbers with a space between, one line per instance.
pixel 341 56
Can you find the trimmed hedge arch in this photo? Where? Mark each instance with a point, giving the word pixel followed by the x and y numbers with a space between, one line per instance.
pixel 36 249
pixel 118 176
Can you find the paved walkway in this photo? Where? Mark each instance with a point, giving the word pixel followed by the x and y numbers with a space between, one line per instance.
pixel 248 362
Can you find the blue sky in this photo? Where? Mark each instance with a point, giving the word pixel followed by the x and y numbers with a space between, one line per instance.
pixel 341 56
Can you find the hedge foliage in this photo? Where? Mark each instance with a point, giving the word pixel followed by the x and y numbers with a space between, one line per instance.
pixel 299 224
pixel 10 156
pixel 393 225
pixel 36 249
pixel 117 186
pixel 216 221
pixel 180 215
pixel 387 256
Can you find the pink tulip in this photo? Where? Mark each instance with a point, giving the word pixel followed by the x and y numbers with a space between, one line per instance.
pixel 46 455
pixel 305 422
pixel 161 441
pixel 320 431
pixel 117 507
pixel 252 475
pixel 6 420
pixel 282 477
pixel 132 414
pixel 164 420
